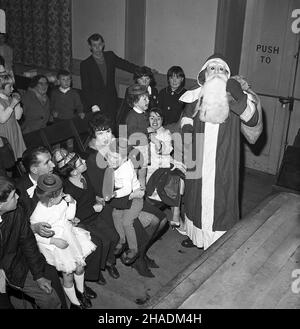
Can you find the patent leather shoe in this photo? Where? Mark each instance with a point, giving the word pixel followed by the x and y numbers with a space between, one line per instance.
pixel 128 260
pixel 112 271
pixel 76 307
pixel 83 299
pixel 90 293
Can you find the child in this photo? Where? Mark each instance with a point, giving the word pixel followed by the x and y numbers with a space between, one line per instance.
pixel 126 185
pixel 137 128
pixel 168 98
pixel 142 76
pixel 70 245
pixel 65 101
pixel 10 112
pixel 160 155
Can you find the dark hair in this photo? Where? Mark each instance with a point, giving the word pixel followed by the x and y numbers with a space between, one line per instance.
pixel 143 71
pixel 29 157
pixel 178 71
pixel 95 37
pixel 6 186
pixel 99 122
pixel 63 73
pixel 158 111
pixel 35 80
pixel 134 93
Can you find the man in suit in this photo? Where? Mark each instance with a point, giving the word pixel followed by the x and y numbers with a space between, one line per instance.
pixel 97 74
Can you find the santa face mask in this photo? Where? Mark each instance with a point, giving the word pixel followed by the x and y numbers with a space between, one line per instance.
pixel 213 104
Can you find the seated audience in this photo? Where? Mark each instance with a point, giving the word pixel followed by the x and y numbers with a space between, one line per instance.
pixel 68 248
pixel 101 137
pixel 22 266
pixel 38 161
pixel 36 105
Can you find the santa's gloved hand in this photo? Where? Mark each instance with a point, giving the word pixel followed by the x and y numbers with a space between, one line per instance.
pixel 235 89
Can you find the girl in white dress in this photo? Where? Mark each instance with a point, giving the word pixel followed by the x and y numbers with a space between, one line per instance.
pixel 70 245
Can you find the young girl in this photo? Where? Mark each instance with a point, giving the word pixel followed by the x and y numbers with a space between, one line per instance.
pixel 10 112
pixel 142 76
pixel 160 156
pixel 126 185
pixel 168 98
pixel 70 245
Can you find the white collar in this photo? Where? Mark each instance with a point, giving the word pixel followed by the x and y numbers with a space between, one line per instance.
pixel 137 110
pixel 64 90
pixel 0 219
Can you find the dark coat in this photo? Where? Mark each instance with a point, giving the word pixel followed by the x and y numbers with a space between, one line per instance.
pixel 95 90
pixel 19 252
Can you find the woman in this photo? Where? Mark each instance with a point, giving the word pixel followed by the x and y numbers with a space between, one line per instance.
pixel 101 137
pixel 89 211
pixel 36 105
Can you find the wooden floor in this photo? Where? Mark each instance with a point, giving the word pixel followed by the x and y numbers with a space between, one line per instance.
pixel 255 265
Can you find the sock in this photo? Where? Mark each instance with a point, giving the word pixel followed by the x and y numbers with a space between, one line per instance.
pixel 79 281
pixel 70 292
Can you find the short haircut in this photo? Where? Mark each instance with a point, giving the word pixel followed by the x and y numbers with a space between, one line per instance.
pixel 6 79
pixel 99 122
pixel 178 71
pixel 6 187
pixel 63 73
pixel 29 157
pixel 35 80
pixel 95 37
pixel 143 71
pixel 134 93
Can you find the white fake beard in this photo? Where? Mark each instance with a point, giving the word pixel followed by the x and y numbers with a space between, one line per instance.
pixel 213 102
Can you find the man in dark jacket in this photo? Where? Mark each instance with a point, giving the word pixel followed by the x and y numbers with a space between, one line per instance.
pixel 97 74
pixel 22 265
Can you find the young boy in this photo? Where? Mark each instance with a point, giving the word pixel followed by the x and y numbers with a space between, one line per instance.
pixel 126 186
pixel 65 101
pixel 22 265
pixel 137 125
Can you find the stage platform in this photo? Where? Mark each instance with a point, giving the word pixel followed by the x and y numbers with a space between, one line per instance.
pixel 254 265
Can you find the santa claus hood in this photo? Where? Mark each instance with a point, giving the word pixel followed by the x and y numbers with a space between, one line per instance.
pixel 216 58
pixel 191 95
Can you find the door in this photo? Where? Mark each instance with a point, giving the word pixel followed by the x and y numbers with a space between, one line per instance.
pixel 268 61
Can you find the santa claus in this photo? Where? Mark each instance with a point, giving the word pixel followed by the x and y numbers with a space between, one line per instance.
pixel 217 111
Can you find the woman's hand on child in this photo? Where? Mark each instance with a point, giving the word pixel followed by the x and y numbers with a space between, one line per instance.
pixel 59 243
pixel 75 221
pixel 68 198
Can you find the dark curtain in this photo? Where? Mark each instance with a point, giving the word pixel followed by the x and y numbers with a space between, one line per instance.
pixel 40 32
pixel 229 31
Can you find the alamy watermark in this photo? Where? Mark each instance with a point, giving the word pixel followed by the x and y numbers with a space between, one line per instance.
pixel 296 23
